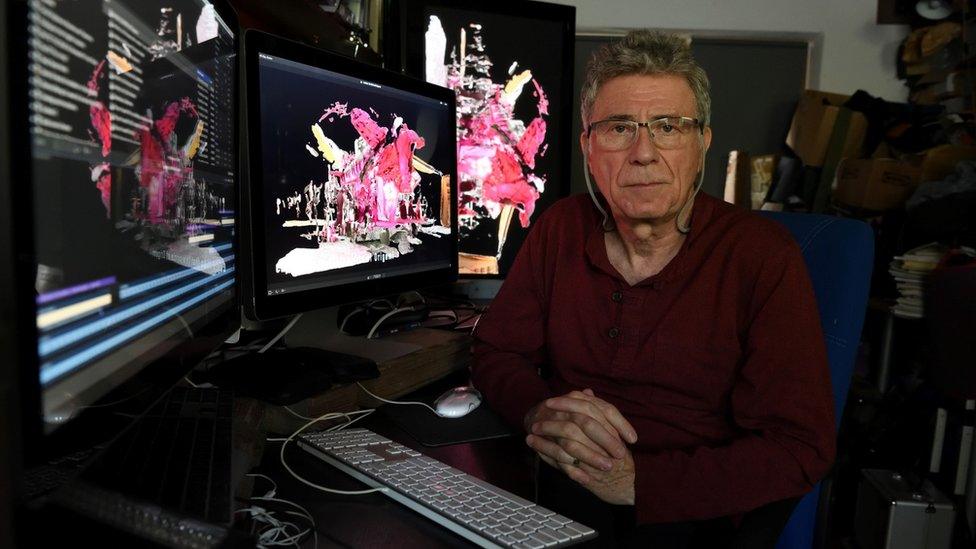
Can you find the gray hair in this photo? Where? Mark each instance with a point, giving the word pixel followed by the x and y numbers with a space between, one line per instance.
pixel 645 52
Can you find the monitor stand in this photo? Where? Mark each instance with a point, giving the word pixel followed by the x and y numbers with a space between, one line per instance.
pixel 284 374
pixel 287 375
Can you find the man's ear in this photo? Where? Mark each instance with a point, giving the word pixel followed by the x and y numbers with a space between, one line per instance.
pixel 708 137
pixel 584 144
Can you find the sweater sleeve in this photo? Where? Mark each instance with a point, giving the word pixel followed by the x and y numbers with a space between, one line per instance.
pixel 509 341
pixel 781 402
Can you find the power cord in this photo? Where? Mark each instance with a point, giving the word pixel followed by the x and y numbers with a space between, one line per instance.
pixel 381 399
pixel 280 334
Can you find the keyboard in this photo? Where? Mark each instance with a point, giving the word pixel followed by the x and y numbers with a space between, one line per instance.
pixel 167 479
pixel 177 456
pixel 466 505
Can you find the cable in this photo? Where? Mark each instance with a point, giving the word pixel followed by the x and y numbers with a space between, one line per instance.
pixel 384 317
pixel 351 421
pixel 381 399
pixel 296 414
pixel 346 415
pixel 187 379
pixel 701 181
pixel 281 333
pixel 276 528
pixel 281 457
pixel 367 305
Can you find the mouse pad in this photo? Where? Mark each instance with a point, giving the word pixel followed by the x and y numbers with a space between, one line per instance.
pixel 432 430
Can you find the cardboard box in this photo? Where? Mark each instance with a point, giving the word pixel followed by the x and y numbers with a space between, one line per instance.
pixel 813 124
pixel 875 184
pixel 939 162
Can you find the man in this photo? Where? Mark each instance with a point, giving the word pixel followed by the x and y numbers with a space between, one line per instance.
pixel 685 376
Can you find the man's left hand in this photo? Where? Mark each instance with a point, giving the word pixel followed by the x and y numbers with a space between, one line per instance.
pixel 615 486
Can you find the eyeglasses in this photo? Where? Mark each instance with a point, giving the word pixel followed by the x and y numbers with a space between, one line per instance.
pixel 669 132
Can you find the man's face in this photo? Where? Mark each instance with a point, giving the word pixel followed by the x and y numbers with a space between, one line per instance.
pixel 643 182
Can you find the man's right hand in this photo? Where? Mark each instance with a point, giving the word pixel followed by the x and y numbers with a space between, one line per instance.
pixel 579 426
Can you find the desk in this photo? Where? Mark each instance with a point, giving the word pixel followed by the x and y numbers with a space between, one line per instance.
pixel 374 520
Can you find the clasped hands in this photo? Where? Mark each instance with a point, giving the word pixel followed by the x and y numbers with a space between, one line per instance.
pixel 584 436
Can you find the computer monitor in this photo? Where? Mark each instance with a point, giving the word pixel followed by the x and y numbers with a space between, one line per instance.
pixel 350 180
pixel 123 136
pixel 511 66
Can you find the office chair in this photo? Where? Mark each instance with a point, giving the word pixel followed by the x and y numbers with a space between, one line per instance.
pixel 839 254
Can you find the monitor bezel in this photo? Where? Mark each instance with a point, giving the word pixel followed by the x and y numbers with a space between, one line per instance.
pixel 111 414
pixel 258 305
pixel 405 18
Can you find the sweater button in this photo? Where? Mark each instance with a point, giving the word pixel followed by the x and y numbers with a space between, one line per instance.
pixel 614 332
pixel 617 297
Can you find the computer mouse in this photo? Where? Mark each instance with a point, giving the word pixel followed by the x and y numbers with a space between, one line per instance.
pixel 457 402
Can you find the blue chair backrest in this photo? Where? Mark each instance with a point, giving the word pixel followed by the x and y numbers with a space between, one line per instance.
pixel 839 254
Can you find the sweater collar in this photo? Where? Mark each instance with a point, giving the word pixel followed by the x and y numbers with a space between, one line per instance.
pixel 596 249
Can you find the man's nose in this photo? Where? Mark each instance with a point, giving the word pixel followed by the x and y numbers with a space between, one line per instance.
pixel 644 151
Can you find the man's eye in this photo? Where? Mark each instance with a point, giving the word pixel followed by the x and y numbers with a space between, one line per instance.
pixel 668 128
pixel 620 128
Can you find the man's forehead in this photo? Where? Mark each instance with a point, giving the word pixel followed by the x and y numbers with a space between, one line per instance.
pixel 666 94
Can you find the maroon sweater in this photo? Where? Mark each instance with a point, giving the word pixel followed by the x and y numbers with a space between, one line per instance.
pixel 718 361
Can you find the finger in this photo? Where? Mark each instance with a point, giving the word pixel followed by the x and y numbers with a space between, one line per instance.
pixel 553 463
pixel 596 408
pixel 548 448
pixel 576 474
pixel 567 430
pixel 586 430
pixel 596 432
pixel 615 418
pixel 584 455
pixel 578 403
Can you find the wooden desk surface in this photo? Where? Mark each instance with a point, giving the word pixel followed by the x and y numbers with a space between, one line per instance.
pixel 407 361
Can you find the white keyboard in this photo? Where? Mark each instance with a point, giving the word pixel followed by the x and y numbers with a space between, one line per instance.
pixel 466 505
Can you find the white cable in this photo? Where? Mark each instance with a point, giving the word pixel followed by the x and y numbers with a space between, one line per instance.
pixel 281 333
pixel 342 327
pixel 296 414
pixel 701 180
pixel 361 413
pixel 384 317
pixel 342 426
pixel 186 378
pixel 381 399
pixel 281 457
pixel 293 540
pixel 274 485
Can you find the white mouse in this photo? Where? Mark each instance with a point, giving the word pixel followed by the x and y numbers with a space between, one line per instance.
pixel 457 402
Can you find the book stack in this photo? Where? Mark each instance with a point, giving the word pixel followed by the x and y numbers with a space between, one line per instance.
pixel 939 65
pixel 911 272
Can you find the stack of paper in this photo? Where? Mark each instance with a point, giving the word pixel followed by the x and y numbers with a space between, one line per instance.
pixel 911 272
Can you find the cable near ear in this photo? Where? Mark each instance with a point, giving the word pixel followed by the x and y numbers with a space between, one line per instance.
pixel 686 227
pixel 607 224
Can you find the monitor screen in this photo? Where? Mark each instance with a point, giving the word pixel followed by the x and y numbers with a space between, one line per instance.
pixel 510 65
pixel 351 179
pixel 132 131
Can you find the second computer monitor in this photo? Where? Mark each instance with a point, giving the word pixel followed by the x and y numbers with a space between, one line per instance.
pixel 351 180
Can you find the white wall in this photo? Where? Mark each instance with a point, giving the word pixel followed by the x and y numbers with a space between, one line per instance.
pixel 857 53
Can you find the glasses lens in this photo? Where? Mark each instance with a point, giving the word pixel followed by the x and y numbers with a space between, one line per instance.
pixel 614 134
pixel 672 132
